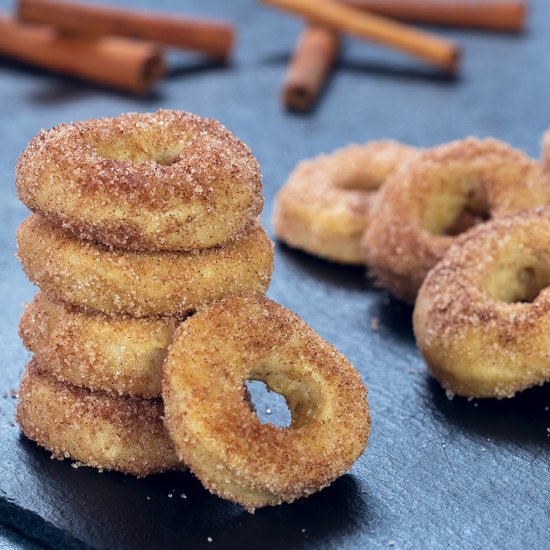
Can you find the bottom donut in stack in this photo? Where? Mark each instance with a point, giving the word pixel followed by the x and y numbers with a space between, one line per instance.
pixel 95 428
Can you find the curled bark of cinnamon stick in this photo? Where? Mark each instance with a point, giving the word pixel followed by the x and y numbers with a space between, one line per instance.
pixel 116 62
pixel 341 18
pixel 311 63
pixel 498 15
pixel 213 38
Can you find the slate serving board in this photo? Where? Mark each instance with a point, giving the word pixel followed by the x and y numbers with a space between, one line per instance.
pixel 437 473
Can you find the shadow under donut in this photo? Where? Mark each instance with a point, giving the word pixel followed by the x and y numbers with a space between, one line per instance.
pixel 339 510
pixel 81 508
pixel 520 419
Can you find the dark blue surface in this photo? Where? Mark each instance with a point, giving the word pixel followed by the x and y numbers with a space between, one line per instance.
pixel 437 473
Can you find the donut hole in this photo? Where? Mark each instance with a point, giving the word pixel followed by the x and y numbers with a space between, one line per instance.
pixel 458 205
pixel 469 216
pixel 364 167
pixel 142 148
pixel 518 282
pixel 270 407
pixel 301 395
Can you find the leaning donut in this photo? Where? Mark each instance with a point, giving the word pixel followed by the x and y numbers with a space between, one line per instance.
pixel 482 316
pixel 118 354
pixel 143 181
pixel 324 206
pixel 94 428
pixel 211 421
pixel 141 284
pixel 419 211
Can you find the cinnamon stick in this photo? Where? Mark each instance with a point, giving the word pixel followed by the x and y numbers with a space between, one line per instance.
pixel 313 58
pixel 213 38
pixel 342 18
pixel 116 62
pixel 498 15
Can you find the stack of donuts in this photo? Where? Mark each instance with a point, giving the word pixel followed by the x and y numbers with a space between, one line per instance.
pixel 136 222
pixel 146 245
pixel 459 230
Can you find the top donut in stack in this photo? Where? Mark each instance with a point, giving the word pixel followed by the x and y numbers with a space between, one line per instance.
pixel 137 221
pixel 144 182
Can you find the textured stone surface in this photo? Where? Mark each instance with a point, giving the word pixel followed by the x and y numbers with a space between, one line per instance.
pixel 437 473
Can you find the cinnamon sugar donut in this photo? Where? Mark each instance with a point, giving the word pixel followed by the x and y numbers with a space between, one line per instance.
pixel 210 419
pixel 96 429
pixel 482 316
pixel 143 181
pixel 324 206
pixel 119 354
pixel 442 192
pixel 141 284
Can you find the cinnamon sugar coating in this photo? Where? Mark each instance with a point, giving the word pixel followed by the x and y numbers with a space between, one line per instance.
pixel 445 190
pixel 323 208
pixel 94 428
pixel 118 354
pixel 482 316
pixel 168 180
pixel 141 284
pixel 213 426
